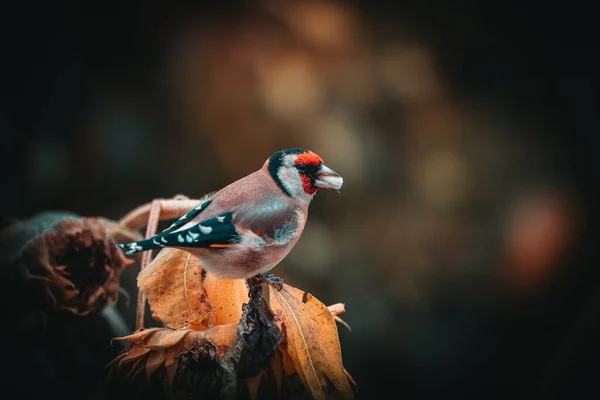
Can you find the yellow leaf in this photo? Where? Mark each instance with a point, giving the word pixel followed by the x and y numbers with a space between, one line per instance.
pixel 172 283
pixel 226 297
pixel 137 336
pixel 221 335
pixel 312 341
pixel 155 360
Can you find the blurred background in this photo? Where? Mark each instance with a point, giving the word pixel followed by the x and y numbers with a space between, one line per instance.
pixel 462 241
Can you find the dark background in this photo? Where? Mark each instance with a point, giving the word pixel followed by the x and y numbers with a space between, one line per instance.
pixel 463 243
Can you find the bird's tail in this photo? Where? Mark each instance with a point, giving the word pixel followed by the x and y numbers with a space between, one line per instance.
pixel 142 245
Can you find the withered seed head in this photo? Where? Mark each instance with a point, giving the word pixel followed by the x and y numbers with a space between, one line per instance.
pixel 69 262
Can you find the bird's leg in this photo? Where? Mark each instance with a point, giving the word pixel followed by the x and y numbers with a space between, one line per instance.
pixel 272 280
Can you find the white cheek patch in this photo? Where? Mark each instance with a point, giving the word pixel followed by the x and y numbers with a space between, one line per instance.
pixel 290 180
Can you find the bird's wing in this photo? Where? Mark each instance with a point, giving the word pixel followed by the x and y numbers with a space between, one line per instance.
pixel 217 231
pixel 187 217
pixel 276 222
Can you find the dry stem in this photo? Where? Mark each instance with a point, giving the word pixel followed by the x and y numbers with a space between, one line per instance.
pixel 170 209
pixel 153 218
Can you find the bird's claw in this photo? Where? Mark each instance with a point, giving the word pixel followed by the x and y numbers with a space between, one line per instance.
pixel 272 280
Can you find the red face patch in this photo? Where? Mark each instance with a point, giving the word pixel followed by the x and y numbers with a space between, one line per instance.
pixel 308 158
pixel 307 185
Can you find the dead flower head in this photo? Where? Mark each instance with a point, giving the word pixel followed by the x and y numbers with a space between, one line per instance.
pixel 64 261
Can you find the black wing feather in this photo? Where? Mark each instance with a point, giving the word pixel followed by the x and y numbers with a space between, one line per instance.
pixel 187 217
pixel 218 230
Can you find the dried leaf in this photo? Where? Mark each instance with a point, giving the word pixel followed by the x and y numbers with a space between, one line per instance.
pixel 226 297
pixel 138 336
pixel 257 336
pixel 281 366
pixel 155 360
pixel 172 283
pixel 350 378
pixel 312 341
pixel 223 336
pixel 286 361
pixel 257 339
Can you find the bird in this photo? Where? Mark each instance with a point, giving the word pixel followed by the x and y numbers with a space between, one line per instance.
pixel 245 229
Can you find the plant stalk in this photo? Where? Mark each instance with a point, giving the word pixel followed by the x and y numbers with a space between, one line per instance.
pixel 151 226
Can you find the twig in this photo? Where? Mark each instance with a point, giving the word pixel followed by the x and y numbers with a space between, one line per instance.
pixel 337 309
pixel 153 218
pixel 170 209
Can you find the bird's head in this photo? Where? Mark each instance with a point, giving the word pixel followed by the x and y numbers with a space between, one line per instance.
pixel 300 172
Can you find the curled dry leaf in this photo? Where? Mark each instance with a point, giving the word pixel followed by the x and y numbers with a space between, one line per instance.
pixel 258 336
pixel 173 285
pixel 71 260
pixel 312 341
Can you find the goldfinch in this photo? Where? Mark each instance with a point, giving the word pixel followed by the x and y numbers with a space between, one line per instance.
pixel 248 227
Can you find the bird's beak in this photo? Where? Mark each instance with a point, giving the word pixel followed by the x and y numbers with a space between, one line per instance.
pixel 328 179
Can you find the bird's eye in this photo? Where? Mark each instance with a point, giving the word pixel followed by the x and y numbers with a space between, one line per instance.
pixel 301 168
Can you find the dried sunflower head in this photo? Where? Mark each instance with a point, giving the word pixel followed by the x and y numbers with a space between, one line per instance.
pixel 62 261
pixel 246 346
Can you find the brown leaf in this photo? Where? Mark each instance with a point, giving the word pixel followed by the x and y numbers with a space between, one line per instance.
pixel 226 297
pixel 138 336
pixel 155 360
pixel 350 378
pixel 223 336
pixel 257 336
pixel 172 283
pixel 312 341
pixel 286 361
pixel 254 347
pixel 281 366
